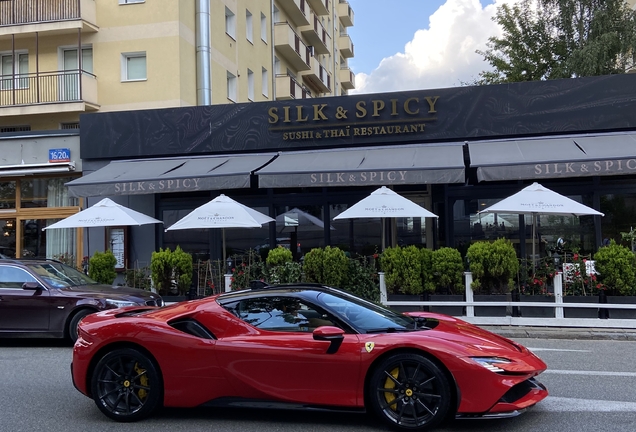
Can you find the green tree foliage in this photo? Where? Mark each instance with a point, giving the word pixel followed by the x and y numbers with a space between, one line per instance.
pixel 279 256
pixel 493 265
pixel 448 270
pixel 549 39
pixel 617 268
pixel 426 262
pixel 167 265
pixel 361 280
pixel 101 267
pixel 281 267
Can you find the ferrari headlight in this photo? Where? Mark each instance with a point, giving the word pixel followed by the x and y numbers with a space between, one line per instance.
pixel 110 303
pixel 491 363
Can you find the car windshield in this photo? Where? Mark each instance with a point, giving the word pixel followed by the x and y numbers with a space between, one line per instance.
pixel 365 316
pixel 58 275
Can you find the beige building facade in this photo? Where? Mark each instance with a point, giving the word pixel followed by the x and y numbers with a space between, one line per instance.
pixel 60 59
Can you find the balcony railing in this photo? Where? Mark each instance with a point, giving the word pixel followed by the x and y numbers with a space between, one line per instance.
pixel 291 46
pixel 320 6
pixel 347 78
pixel 345 13
pixel 316 35
pixel 47 88
pixel 16 12
pixel 288 88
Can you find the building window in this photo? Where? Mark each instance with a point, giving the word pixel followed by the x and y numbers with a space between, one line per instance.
pixel 231 86
pixel 276 65
pixel 250 85
pixel 263 27
pixel 249 27
pixel 71 125
pixel 276 15
pixel 230 23
pixel 133 66
pixel 15 72
pixel 23 128
pixel 265 82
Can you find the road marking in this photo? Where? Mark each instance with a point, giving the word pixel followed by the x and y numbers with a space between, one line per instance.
pixel 562 404
pixel 558 349
pixel 590 373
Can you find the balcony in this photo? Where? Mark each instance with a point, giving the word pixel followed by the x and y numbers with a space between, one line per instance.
pixel 345 45
pixel 22 17
pixel 316 35
pixel 347 78
pixel 317 77
pixel 296 10
pixel 288 88
pixel 321 7
pixel 48 92
pixel 345 13
pixel 291 47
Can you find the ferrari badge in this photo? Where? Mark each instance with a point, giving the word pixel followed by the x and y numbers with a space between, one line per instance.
pixel 369 346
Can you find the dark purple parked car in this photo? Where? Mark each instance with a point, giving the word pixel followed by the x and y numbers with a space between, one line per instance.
pixel 45 298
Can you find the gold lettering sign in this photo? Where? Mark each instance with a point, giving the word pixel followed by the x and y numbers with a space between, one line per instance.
pixel 150 186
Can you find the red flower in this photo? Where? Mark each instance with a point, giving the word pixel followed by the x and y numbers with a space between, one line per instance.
pixel 576 256
pixel 244 265
pixel 375 255
pixel 233 270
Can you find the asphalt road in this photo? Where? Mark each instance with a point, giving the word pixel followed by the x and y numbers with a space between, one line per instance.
pixel 592 387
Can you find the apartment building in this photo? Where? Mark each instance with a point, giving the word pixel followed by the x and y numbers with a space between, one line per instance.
pixel 64 58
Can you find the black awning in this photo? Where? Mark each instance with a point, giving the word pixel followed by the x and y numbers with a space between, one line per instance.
pixel 394 165
pixel 554 157
pixel 183 174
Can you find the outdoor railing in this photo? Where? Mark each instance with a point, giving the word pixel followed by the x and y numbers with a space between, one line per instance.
pixel 559 319
pixel 42 87
pixel 16 12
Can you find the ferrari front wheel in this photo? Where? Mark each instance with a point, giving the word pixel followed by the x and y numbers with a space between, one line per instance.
pixel 126 385
pixel 409 392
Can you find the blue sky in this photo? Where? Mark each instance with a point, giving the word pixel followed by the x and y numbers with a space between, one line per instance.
pixel 422 41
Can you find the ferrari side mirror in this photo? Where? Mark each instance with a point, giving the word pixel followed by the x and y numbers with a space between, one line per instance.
pixel 332 334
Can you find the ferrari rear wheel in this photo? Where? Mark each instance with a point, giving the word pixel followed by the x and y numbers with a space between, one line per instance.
pixel 126 385
pixel 409 392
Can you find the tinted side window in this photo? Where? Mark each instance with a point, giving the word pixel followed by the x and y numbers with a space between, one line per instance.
pixel 281 314
pixel 14 277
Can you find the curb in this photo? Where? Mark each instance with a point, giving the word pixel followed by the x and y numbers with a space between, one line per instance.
pixel 563 333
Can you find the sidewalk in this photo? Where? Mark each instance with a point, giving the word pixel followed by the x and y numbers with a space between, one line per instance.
pixel 516 332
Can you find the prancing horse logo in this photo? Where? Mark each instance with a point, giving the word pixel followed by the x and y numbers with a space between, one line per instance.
pixel 369 346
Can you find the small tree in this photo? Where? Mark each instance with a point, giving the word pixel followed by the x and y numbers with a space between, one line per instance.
pixel 402 269
pixel 426 263
pixel 167 266
pixel 448 270
pixel 101 267
pixel 281 267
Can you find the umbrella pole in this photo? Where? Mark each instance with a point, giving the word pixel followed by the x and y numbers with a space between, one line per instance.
pixel 383 221
pixel 223 253
pixel 534 229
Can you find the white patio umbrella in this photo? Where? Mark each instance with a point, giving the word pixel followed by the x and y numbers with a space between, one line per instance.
pixel 105 213
pixel 384 203
pixel 537 199
pixel 222 212
pixel 299 220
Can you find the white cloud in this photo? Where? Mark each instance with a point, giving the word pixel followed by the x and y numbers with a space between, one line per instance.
pixel 442 55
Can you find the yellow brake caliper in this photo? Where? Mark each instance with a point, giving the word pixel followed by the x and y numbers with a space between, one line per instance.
pixel 143 380
pixel 390 384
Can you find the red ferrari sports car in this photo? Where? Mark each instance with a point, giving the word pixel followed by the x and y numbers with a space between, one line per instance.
pixel 301 346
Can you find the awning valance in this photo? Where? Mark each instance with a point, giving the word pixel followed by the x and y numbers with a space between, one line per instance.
pixel 182 174
pixel 554 157
pixel 409 164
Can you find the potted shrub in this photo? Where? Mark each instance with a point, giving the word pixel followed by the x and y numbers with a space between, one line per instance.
pixel 402 267
pixel 361 279
pixel 493 265
pixel 281 267
pixel 616 267
pixel 447 274
pixel 101 267
pixel 171 271
pixel 534 279
pixel 326 266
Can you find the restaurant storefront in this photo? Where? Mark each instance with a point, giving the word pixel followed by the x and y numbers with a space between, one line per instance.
pixel 454 151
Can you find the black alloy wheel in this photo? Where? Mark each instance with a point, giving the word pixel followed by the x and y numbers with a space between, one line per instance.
pixel 410 392
pixel 126 385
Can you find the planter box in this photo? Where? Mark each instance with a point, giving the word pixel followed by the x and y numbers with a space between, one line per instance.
pixel 580 312
pixel 537 312
pixel 622 313
pixel 447 310
pixel 405 297
pixel 491 311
